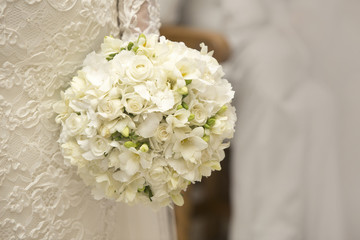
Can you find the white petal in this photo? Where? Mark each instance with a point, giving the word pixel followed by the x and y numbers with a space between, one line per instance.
pixel 142 91
pixel 148 128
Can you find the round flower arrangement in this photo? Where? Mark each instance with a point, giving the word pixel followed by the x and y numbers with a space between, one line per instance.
pixel 143 119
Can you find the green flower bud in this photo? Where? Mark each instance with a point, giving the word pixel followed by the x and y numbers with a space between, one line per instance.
pixel 125 132
pixel 191 117
pixel 144 148
pixel 222 109
pixel 130 45
pixel 211 121
pixel 111 56
pixel 179 107
pixel 206 126
pixel 183 91
pixel 206 138
pixel 129 144
pixel 185 105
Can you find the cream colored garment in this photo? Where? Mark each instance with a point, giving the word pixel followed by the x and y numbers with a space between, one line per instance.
pixel 42 44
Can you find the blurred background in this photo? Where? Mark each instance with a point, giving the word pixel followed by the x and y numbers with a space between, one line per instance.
pixel 292 171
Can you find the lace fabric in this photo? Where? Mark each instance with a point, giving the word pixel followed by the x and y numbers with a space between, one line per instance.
pixel 43 44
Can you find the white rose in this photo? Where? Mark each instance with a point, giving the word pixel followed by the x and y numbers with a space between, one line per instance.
pixel 162 133
pixel 200 114
pixel 75 124
pixel 110 109
pixel 134 105
pixel 140 68
pixel 98 146
pixel 158 174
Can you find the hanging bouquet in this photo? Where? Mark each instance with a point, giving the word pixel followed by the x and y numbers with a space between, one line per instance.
pixel 143 119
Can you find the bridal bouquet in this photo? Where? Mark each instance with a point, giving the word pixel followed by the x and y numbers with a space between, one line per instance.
pixel 143 119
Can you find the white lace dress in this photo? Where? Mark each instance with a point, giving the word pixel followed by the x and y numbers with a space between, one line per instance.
pixel 42 44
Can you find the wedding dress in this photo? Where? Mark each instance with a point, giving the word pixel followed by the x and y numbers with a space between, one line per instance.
pixel 290 67
pixel 43 44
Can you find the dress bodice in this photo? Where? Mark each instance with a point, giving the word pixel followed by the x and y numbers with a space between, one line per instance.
pixel 42 45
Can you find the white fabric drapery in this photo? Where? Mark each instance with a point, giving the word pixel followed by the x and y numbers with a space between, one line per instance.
pixel 295 70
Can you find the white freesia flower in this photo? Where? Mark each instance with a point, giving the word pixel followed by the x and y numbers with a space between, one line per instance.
pixel 179 119
pixel 191 145
pixel 145 118
pixel 187 69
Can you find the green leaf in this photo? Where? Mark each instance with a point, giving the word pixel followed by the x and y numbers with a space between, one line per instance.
pixel 148 192
pixel 111 56
pixel 188 81
pixel 116 136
